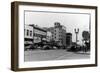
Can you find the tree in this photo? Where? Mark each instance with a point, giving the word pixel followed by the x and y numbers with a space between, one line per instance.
pixel 86 35
pixel 86 39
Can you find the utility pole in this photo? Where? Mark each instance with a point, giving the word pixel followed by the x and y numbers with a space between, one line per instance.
pixel 76 32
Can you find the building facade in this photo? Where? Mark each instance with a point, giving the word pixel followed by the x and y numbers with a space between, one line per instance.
pixel 68 39
pixel 35 34
pixel 28 35
pixel 49 36
pixel 39 34
pixel 59 33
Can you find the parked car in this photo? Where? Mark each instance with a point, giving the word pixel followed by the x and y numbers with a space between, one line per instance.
pixel 54 47
pixel 74 48
pixel 32 47
pixel 27 47
pixel 46 47
pixel 39 47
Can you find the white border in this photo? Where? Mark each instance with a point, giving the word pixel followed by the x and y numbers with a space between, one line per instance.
pixel 23 64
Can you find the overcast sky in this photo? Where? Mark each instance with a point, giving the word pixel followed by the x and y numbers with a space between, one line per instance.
pixel 69 20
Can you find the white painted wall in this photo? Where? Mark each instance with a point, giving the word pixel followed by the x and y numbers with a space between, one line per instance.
pixel 29 28
pixel 5 37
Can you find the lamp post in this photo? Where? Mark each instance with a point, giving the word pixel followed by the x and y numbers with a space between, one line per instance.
pixel 76 32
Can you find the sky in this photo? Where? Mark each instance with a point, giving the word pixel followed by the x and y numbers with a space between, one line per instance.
pixel 69 20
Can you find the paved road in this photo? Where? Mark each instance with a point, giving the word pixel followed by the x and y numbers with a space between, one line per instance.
pixel 44 55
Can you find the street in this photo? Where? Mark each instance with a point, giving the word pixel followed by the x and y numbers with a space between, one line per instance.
pixel 45 55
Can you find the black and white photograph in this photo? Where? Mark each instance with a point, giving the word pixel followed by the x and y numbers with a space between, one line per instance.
pixel 56 35
pixel 51 36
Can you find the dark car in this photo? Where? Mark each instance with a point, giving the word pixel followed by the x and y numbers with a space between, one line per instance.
pixel 32 47
pixel 74 48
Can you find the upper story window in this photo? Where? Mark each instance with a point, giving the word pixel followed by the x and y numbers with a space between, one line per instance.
pixel 24 31
pixel 30 33
pixel 27 32
pixel 55 30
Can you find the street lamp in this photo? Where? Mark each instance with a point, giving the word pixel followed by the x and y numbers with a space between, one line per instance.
pixel 76 32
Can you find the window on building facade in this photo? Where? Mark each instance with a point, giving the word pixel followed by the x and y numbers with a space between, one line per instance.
pixel 34 34
pixel 52 35
pixel 55 31
pixel 30 33
pixel 27 32
pixel 55 34
pixel 24 31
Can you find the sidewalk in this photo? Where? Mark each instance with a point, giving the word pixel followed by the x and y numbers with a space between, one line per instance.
pixel 85 53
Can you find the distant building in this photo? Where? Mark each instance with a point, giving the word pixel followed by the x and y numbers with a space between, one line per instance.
pixel 59 33
pixel 68 39
pixel 39 34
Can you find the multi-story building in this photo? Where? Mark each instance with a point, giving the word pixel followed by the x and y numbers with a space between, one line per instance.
pixel 28 35
pixel 39 34
pixel 35 34
pixel 68 39
pixel 59 33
